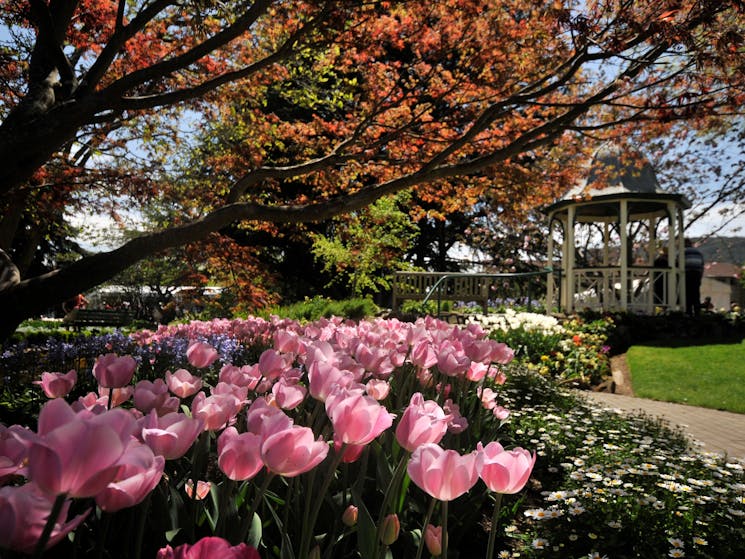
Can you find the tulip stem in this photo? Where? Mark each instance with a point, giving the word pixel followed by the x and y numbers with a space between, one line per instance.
pixel 103 531
pixel 392 486
pixel 444 511
pixel 311 523
pixel 493 528
pixel 49 526
pixel 141 518
pixel 225 505
pixel 255 504
pixel 427 518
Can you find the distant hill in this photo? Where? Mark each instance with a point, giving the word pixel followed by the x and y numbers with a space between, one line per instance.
pixel 723 249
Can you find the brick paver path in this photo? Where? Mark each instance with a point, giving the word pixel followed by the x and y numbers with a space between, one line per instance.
pixel 717 431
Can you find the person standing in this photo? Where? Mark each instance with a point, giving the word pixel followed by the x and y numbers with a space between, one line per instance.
pixel 694 266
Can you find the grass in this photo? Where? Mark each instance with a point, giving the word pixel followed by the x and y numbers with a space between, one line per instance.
pixel 710 376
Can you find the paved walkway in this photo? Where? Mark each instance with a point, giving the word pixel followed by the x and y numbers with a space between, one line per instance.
pixel 717 431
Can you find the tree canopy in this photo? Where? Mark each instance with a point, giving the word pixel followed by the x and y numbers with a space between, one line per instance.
pixel 328 106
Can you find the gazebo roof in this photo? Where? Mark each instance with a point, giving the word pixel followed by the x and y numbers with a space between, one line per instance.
pixel 615 175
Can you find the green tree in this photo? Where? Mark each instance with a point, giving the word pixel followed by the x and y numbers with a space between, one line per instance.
pixel 364 248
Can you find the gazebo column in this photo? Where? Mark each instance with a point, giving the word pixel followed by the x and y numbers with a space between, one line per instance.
pixel 651 257
pixel 672 257
pixel 624 226
pixel 681 274
pixel 607 278
pixel 569 259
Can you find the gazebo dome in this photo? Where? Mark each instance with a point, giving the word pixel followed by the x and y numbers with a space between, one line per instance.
pixel 614 175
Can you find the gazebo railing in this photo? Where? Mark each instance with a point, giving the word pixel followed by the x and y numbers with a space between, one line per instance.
pixel 601 288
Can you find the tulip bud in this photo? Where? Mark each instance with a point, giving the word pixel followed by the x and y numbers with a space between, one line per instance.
pixel 349 518
pixel 433 539
pixel 203 489
pixel 390 529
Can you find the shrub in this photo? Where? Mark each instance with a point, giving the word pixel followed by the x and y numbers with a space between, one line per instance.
pixel 574 351
pixel 322 307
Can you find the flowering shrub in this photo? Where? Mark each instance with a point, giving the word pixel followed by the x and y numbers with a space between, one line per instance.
pixel 302 449
pixel 574 351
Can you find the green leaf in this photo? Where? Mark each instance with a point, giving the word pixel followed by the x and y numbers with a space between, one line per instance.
pixel 367 540
pixel 286 552
pixel 170 534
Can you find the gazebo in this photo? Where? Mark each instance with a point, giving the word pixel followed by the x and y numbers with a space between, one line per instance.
pixel 621 239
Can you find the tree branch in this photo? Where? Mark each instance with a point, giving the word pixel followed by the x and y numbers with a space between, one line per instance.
pixel 171 65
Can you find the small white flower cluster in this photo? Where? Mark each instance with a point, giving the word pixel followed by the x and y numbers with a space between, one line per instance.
pixel 511 319
pixel 611 468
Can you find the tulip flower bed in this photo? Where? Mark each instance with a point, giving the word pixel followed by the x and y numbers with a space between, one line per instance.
pixel 339 439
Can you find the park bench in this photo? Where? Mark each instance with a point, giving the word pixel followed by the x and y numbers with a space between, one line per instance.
pixel 96 317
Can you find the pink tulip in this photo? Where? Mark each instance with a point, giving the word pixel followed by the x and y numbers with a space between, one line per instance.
pixel 286 341
pixel 288 394
pixel 113 371
pixel 201 355
pixel 423 355
pixel 504 471
pixel 203 489
pixel 215 411
pixel 433 539
pixel 356 417
pixel 139 472
pixel 477 371
pixel 488 398
pixel 458 423
pixel 481 350
pixel 15 442
pixel 247 376
pixel 293 451
pixel 443 474
pixel 92 402
pixel 497 375
pixel 23 514
pixel 263 419
pixel 239 455
pixel 451 360
pixel 240 393
pixel 378 388
pixel 57 385
pixel 422 422
pixel 152 395
pixel 501 413
pixel 374 359
pixel 209 548
pixel 502 354
pixel 118 395
pixel 170 435
pixel 351 452
pixel 272 364
pixel 182 383
pixel 78 454
pixel 322 377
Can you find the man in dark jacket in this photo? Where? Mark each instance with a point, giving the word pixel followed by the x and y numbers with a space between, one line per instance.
pixel 694 273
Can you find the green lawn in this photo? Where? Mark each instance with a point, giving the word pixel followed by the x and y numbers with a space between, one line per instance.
pixel 710 376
